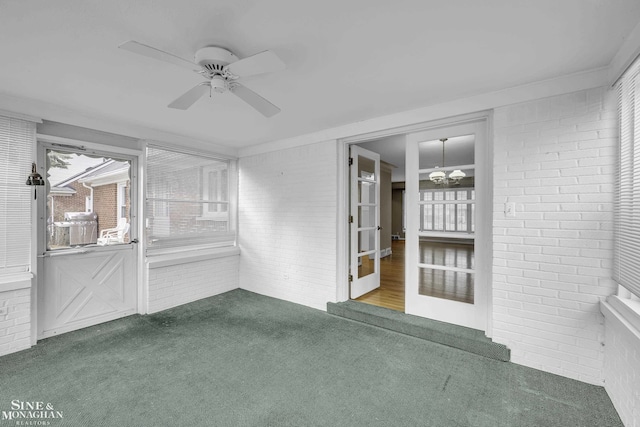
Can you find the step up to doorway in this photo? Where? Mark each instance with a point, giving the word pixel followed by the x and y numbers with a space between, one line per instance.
pixel 466 339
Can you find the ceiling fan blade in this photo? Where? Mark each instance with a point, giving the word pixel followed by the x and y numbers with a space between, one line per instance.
pixel 152 52
pixel 190 97
pixel 266 108
pixel 263 62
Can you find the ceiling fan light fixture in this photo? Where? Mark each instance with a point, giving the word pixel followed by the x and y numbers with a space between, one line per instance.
pixel 218 84
pixel 221 69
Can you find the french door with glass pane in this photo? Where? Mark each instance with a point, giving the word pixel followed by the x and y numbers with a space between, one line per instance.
pixel 364 222
pixel 446 191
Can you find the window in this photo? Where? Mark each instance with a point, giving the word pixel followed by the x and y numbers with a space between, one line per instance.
pixel 88 199
pixel 215 185
pixel 187 200
pixel 17 139
pixel 627 202
pixel 450 210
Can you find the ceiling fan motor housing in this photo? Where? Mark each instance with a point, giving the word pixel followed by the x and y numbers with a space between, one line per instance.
pixel 214 58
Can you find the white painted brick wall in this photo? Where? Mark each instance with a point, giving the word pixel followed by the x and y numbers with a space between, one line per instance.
pixel 179 284
pixel 15 326
pixel 622 369
pixel 554 158
pixel 287 224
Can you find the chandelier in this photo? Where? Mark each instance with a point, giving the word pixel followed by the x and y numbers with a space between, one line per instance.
pixel 441 178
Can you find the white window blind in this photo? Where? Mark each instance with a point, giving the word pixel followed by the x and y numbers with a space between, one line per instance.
pixel 627 201
pixel 187 200
pixel 17 141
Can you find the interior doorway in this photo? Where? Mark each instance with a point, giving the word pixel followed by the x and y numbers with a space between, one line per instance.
pixel 438 192
pixel 390 292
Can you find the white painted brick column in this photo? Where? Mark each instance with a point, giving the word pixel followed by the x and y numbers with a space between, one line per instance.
pixel 554 158
pixel 15 314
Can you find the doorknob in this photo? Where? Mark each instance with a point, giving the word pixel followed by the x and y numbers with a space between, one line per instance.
pixel 379 228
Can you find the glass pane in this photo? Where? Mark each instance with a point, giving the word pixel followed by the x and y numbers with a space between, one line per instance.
pixel 366 168
pixel 447 254
pixel 366 192
pixel 187 198
pixel 448 216
pixel 366 240
pixel 458 150
pixel 184 219
pixel 366 266
pixel 88 200
pixel 367 216
pixel 446 284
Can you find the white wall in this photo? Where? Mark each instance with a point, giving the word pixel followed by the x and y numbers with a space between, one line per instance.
pixel 554 158
pixel 622 358
pixel 287 224
pixel 174 282
pixel 15 325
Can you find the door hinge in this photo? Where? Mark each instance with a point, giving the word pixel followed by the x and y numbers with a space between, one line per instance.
pixel 350 278
pixel 350 161
pixel 350 219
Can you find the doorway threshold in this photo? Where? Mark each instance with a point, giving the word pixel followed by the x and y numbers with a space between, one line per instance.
pixel 460 337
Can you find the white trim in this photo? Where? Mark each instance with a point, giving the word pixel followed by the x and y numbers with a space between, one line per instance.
pixel 625 311
pixel 58 113
pixel 447 168
pixel 627 53
pixel 342 217
pixel 197 149
pixel 89 146
pixel 113 177
pixel 13 282
pixel 12 115
pixel 186 257
pixel 441 111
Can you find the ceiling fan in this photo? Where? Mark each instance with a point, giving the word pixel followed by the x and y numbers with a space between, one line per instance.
pixel 221 69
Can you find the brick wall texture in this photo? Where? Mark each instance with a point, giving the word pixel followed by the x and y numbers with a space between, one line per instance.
pixel 622 369
pixel 15 326
pixel 287 224
pixel 552 262
pixel 179 284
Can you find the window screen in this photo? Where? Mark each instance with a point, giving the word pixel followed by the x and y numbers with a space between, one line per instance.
pixel 187 200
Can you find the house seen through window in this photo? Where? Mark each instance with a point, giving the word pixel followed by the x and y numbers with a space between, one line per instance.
pixel 88 200
pixel 187 200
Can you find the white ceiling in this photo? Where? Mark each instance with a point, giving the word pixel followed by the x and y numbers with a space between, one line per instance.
pixel 347 61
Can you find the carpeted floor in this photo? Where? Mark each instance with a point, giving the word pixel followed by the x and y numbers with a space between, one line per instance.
pixel 241 359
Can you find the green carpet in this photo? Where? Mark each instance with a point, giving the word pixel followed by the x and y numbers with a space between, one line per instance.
pixel 241 359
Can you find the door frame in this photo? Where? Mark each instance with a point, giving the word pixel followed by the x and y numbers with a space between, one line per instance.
pixel 136 215
pixel 342 270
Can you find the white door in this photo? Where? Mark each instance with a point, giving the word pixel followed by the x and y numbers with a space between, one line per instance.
pixel 86 287
pixel 87 252
pixel 364 221
pixel 447 236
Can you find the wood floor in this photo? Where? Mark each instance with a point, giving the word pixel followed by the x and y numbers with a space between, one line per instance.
pixel 439 284
pixel 390 294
